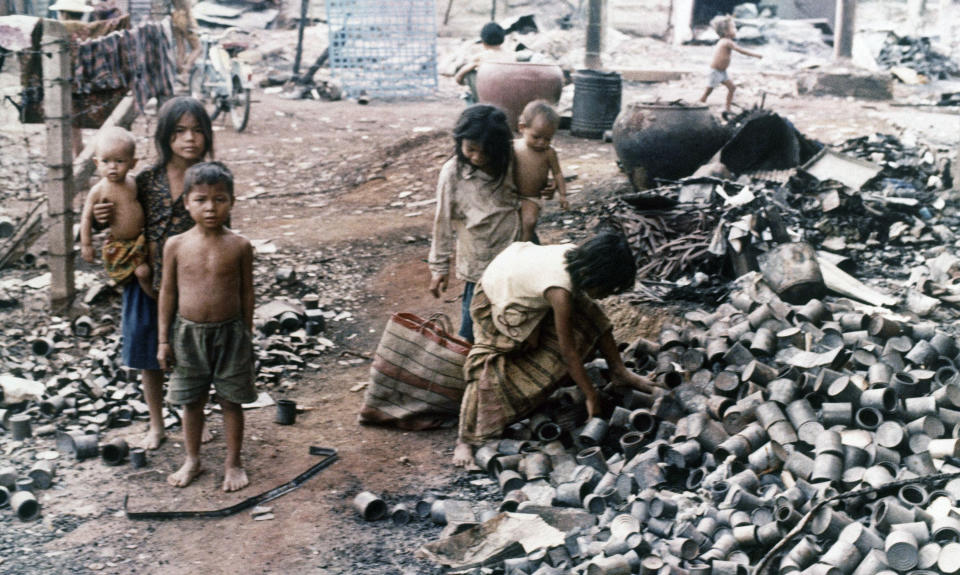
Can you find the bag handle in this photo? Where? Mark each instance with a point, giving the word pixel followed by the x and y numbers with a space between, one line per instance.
pixel 438 321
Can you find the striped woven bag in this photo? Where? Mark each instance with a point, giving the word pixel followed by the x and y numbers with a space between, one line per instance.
pixel 416 380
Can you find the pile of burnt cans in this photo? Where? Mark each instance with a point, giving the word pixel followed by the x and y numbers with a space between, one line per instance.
pixel 810 439
pixel 76 382
pixel 917 54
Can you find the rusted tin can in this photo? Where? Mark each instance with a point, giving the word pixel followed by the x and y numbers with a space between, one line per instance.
pixel 572 494
pixel 593 457
pixel 792 272
pixel 836 414
pixel 593 432
pixel 510 480
pixel 25 505
pixel 631 443
pixel 81 446
pixel 20 426
pixel 536 466
pixel 138 457
pixel 114 451
pixel 902 551
pixel 286 412
pixel 43 473
pixel 399 514
pixel 369 506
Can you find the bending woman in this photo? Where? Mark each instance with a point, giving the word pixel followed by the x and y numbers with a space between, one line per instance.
pixel 535 322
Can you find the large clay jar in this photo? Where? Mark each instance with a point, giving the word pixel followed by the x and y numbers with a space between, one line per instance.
pixel 512 85
pixel 667 141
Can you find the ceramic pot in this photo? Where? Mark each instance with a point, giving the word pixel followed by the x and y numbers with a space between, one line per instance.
pixel 512 85
pixel 664 141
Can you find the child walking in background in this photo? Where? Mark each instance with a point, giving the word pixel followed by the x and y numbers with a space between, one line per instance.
pixel 476 201
pixel 536 161
pixel 727 30
pixel 125 250
pixel 208 286
pixel 183 137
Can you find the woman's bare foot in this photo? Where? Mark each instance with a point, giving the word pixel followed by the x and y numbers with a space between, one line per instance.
pixel 463 454
pixel 234 478
pixel 190 470
pixel 153 439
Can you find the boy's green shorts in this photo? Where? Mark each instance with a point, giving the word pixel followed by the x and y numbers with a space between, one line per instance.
pixel 220 353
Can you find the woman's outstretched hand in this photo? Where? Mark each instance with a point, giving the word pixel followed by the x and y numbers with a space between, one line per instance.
pixel 628 378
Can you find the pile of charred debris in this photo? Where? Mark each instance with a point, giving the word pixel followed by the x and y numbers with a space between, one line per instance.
pixel 62 381
pixel 807 421
pixel 917 54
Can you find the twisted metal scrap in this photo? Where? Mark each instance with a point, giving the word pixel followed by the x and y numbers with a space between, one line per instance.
pixel 802 524
pixel 668 243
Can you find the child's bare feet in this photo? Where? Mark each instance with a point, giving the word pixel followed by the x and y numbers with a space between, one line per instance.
pixel 234 478
pixel 463 454
pixel 190 470
pixel 206 436
pixel 153 439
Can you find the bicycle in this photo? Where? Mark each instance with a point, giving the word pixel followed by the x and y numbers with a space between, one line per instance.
pixel 221 81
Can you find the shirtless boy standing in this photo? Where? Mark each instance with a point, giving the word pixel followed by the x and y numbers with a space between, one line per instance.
pixel 125 252
pixel 536 160
pixel 206 320
pixel 727 30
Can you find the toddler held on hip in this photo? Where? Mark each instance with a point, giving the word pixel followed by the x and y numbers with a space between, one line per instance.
pixel 125 253
pixel 536 161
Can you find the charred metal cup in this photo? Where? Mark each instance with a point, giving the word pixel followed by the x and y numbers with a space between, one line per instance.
pixel 25 505
pixel 20 427
pixel 80 445
pixel 114 452
pixel 286 412
pixel 369 506
pixel 138 457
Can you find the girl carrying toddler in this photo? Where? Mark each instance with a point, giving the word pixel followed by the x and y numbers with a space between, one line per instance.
pixel 184 137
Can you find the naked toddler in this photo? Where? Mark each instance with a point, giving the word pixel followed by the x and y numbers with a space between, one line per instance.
pixel 206 320
pixel 536 160
pixel 727 30
pixel 125 252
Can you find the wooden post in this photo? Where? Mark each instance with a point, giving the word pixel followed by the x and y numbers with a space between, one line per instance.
pixel 843 35
pixel 446 15
pixel 304 9
pixel 57 110
pixel 595 24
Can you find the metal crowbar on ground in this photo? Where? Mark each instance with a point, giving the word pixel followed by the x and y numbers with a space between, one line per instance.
pixel 329 457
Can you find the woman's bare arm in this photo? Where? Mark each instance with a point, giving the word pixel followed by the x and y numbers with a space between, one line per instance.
pixel 561 301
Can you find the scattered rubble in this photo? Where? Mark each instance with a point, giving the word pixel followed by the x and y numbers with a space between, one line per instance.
pixel 917 55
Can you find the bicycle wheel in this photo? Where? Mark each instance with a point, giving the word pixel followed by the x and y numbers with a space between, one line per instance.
pixel 239 105
pixel 199 89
